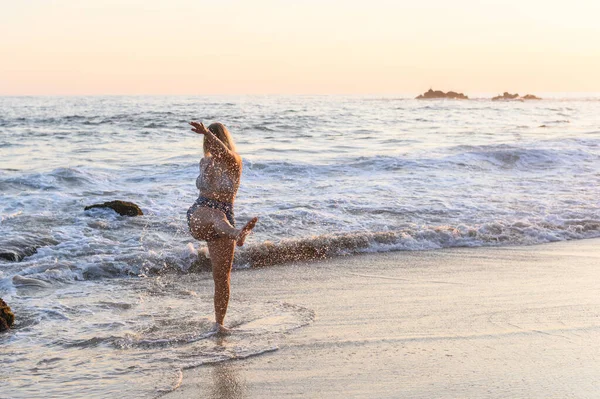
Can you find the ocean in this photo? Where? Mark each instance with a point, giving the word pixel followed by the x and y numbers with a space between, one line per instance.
pixel 101 301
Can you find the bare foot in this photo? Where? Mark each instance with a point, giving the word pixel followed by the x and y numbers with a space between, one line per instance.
pixel 220 330
pixel 245 231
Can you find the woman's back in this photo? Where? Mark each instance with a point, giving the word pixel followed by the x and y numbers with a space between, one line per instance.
pixel 217 180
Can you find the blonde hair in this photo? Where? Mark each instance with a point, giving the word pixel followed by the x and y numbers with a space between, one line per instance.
pixel 219 130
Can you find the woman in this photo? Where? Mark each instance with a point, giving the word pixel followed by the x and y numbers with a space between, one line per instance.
pixel 210 218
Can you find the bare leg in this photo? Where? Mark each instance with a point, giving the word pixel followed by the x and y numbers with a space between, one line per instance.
pixel 224 229
pixel 221 257
pixel 245 231
pixel 208 224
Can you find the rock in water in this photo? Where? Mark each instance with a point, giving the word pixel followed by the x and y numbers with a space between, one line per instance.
pixel 531 97
pixel 507 96
pixel 16 254
pixel 440 94
pixel 123 208
pixel 19 246
pixel 7 318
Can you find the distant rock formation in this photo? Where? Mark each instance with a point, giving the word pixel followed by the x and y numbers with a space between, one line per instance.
pixel 123 208
pixel 507 96
pixel 430 94
pixel 7 318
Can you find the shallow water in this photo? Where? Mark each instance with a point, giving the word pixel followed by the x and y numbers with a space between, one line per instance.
pixel 130 337
pixel 326 175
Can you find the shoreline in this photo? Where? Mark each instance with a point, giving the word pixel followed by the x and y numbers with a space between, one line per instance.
pixel 462 322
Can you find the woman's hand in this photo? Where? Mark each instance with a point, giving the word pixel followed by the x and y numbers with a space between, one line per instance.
pixel 199 128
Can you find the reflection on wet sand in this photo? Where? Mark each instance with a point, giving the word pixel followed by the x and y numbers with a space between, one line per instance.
pixel 226 383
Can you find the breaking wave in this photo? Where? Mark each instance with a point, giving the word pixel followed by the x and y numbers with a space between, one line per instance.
pixel 489 234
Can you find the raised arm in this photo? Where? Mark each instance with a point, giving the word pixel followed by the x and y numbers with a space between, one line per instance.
pixel 217 146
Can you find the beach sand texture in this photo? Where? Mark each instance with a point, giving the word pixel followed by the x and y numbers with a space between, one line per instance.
pixel 457 323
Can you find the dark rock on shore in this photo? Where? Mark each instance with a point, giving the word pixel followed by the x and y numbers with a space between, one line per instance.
pixel 508 96
pixel 7 318
pixel 123 208
pixel 430 94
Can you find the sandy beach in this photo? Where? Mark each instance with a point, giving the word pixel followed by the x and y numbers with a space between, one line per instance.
pixel 457 323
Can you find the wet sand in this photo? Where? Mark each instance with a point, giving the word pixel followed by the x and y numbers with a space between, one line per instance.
pixel 477 323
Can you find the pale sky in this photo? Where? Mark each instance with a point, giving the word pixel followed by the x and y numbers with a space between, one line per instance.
pixel 64 47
